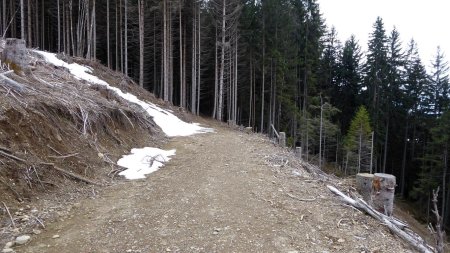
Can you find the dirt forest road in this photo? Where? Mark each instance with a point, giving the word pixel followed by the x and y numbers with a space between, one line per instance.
pixel 218 194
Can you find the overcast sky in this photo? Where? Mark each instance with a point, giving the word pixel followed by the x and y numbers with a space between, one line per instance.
pixel 428 22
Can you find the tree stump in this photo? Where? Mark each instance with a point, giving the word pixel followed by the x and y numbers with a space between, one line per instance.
pixel 282 140
pixel 383 189
pixel 15 55
pixel 249 130
pixel 364 186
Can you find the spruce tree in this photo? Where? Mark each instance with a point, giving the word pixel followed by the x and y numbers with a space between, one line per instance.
pixel 357 142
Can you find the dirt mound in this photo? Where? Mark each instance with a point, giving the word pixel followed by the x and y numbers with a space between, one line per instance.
pixel 59 133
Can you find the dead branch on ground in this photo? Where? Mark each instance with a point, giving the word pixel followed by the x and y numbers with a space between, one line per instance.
pixel 71 174
pixel 10 216
pixel 395 226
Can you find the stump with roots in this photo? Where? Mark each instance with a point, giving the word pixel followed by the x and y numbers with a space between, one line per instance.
pixel 383 189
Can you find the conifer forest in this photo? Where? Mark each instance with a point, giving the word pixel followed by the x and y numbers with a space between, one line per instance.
pixel 270 64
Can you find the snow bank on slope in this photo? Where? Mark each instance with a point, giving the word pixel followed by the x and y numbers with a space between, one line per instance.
pixel 169 123
pixel 143 161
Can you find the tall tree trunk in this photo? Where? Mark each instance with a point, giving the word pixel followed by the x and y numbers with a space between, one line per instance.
pixel 141 43
pixel 263 73
pixel 22 21
pixel 403 175
pixel 117 37
pixel 126 37
pixel 108 49
pixel 71 26
pixel 36 23
pixel 42 24
pixel 59 27
pixel 4 18
pixel 216 82
pixel 198 63
pixel 194 61
pixel 386 138
pixel 165 53
pixel 181 54
pixel 222 63
pixel 444 182
pixel 121 36
pixel 29 9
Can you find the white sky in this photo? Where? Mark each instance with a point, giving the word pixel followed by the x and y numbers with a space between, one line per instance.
pixel 428 22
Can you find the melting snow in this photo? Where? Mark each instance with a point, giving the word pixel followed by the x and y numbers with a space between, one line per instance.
pixel 143 161
pixel 138 163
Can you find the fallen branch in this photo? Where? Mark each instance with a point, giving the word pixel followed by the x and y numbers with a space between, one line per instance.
pixel 12 156
pixel 10 216
pixel 300 199
pixel 68 173
pixel 395 226
pixel 63 156
pixel 11 83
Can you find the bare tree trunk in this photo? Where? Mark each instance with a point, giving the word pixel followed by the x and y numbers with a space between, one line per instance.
pixel 164 57
pixel 126 37
pixel 320 133
pixel 22 21
pixel 94 24
pixel 121 36
pixel 194 61
pixel 36 23
pixel 71 27
pixel 405 146
pixel 385 146
pixel 4 18
pixel 141 43
pixel 199 61
pixel 444 184
pixel 216 83
pixel 108 50
pixel 222 63
pixel 30 42
pixel 43 25
pixel 263 75
pixel 117 38
pixel 181 55
pixel 59 28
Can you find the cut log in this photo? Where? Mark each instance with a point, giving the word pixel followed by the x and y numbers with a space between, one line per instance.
pixel 383 189
pixel 364 186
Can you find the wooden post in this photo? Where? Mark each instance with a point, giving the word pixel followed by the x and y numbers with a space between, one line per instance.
pixel 282 139
pixel 383 189
pixel 298 152
pixel 364 186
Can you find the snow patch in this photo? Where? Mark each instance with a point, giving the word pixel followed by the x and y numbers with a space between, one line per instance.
pixel 143 161
pixel 169 123
pixel 146 160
